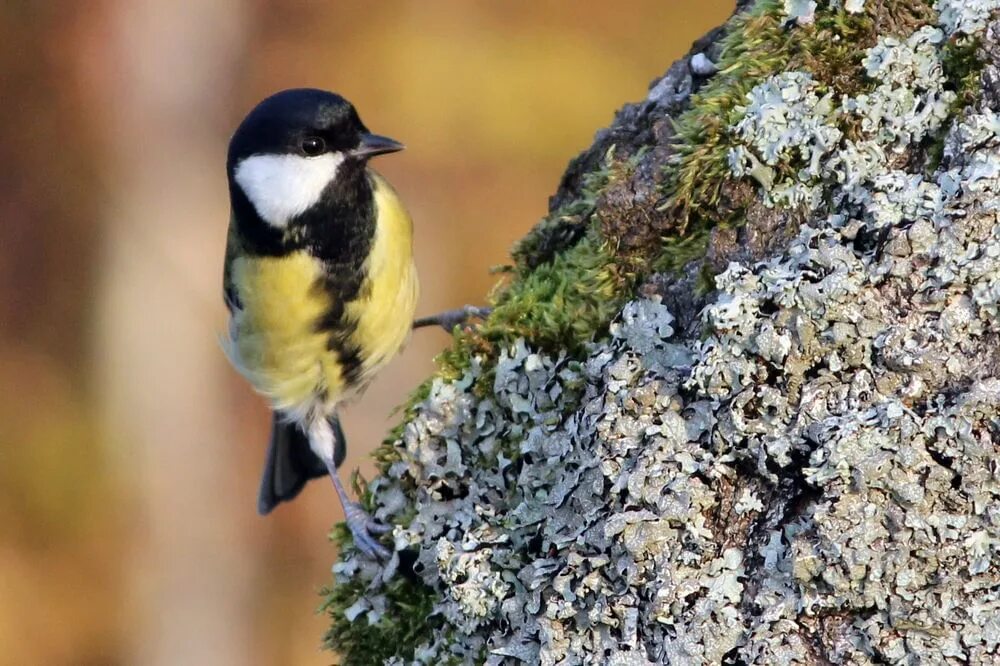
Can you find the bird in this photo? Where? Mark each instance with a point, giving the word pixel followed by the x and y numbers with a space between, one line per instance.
pixel 319 281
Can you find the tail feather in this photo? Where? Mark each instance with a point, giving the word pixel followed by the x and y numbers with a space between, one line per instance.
pixel 339 444
pixel 290 464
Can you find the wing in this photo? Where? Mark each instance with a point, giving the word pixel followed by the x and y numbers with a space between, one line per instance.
pixel 234 249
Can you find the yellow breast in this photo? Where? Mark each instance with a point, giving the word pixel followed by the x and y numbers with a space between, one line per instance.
pixel 384 309
pixel 275 342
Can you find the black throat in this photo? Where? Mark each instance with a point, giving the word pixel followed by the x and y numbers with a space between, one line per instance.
pixel 338 230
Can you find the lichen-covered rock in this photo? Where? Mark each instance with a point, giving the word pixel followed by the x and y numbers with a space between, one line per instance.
pixel 806 473
pixel 965 16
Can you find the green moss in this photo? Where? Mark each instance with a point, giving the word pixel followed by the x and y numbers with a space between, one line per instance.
pixel 832 49
pixel 561 305
pixel 759 45
pixel 406 623
pixel 561 228
pixel 756 46
pixel 679 250
pixel 706 279
pixel 962 68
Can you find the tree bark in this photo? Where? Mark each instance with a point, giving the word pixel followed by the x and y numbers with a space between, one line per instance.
pixel 738 403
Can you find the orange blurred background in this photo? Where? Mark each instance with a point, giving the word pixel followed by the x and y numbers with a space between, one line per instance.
pixel 129 451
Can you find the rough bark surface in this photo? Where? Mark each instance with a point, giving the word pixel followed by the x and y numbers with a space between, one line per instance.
pixel 782 451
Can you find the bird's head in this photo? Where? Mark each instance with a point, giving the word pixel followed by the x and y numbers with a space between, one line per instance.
pixel 292 146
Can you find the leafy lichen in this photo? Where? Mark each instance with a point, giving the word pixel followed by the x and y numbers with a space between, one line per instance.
pixel 965 16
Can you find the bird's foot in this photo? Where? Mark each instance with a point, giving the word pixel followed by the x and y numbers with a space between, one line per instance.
pixel 365 531
pixel 449 319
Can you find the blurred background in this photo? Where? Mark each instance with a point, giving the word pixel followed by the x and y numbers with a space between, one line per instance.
pixel 129 450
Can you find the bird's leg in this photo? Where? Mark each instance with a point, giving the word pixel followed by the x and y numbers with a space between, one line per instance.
pixel 363 527
pixel 325 437
pixel 449 319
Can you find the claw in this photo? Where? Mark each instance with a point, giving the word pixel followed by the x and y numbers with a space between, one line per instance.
pixel 449 319
pixel 376 527
pixel 363 528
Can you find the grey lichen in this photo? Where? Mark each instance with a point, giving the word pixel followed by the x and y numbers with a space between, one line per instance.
pixel 786 123
pixel 966 16
pixel 802 12
pixel 808 474
pixel 795 135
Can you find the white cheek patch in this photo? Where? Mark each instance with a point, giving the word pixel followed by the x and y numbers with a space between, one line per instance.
pixel 281 187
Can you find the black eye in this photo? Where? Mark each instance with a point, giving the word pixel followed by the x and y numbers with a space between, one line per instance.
pixel 313 145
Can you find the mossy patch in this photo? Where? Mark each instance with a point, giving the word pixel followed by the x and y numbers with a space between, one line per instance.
pixel 561 304
pixel 570 279
pixel 563 227
pixel 756 46
pixel 963 67
pixel 761 44
pixel 407 619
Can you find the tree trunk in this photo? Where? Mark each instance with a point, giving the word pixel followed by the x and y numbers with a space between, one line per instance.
pixel 190 580
pixel 738 400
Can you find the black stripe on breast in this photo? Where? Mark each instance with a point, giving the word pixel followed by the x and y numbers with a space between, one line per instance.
pixel 340 231
pixel 350 364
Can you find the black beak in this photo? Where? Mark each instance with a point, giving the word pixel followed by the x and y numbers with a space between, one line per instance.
pixel 373 144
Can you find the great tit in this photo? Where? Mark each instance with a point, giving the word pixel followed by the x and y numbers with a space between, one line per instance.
pixel 319 281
